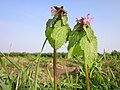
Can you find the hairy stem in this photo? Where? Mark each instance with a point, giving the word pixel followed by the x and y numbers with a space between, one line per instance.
pixel 87 75
pixel 54 68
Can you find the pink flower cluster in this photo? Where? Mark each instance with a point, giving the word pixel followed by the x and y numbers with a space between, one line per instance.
pixel 85 19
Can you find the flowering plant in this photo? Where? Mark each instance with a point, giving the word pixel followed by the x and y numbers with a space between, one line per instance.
pixel 82 41
pixel 57 30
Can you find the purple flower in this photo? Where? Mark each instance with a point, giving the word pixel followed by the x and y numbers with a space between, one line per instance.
pixel 53 9
pixel 88 15
pixel 58 10
pixel 91 20
pixel 85 19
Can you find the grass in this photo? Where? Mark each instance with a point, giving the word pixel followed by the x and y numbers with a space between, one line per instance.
pixel 18 73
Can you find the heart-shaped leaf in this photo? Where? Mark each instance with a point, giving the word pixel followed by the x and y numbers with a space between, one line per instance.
pixel 90 50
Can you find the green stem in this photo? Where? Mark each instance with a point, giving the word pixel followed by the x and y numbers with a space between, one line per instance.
pixel 87 75
pixel 54 68
pixel 37 67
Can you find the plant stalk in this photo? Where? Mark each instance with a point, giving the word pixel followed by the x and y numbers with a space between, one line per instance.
pixel 37 67
pixel 87 75
pixel 54 69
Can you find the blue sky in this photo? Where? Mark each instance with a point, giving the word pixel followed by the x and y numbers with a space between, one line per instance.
pixel 22 22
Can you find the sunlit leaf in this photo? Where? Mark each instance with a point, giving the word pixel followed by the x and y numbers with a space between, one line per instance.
pixel 64 20
pixel 75 37
pixel 76 26
pixel 89 32
pixel 57 31
pixel 90 50
pixel 60 35
pixel 48 32
pixel 75 51
pixel 58 24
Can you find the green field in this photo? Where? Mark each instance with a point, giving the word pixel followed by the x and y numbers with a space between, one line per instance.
pixel 17 72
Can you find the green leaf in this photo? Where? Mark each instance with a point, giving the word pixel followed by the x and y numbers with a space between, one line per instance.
pixel 37 67
pixel 90 50
pixel 75 37
pixel 49 23
pixel 57 24
pixel 89 32
pixel 76 26
pixel 57 31
pixel 75 51
pixel 48 33
pixel 3 64
pixel 60 34
pixel 70 52
pixel 64 20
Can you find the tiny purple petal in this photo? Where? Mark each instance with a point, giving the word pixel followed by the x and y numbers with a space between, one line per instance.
pixel 84 21
pixel 91 20
pixel 88 15
pixel 77 20
pixel 53 9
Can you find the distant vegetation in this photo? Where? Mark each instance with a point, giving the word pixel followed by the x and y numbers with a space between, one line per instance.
pixel 109 56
